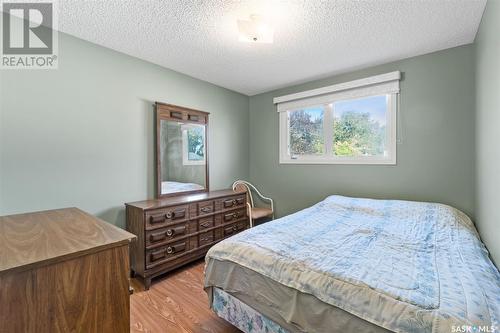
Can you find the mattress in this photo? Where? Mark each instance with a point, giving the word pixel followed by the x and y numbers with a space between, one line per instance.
pixel 174 187
pixel 293 310
pixel 404 266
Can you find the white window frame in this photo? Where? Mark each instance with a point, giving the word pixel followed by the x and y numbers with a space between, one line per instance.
pixel 343 92
pixel 185 148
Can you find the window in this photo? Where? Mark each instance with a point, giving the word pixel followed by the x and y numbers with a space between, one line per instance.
pixel 193 145
pixel 306 132
pixel 354 126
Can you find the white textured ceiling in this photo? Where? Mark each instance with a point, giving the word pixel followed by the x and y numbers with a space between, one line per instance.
pixel 313 38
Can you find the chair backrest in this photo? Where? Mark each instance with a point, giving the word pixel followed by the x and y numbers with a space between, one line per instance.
pixel 241 185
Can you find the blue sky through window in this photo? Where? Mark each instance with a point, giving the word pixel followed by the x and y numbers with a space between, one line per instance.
pixel 314 113
pixel 376 106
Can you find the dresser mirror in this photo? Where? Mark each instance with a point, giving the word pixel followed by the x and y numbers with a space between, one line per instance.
pixel 181 150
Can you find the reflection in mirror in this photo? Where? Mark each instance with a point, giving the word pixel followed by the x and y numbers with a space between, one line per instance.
pixel 182 157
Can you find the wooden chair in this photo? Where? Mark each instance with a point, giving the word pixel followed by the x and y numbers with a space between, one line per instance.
pixel 254 213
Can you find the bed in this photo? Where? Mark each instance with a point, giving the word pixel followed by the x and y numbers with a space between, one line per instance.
pixel 174 187
pixel 357 265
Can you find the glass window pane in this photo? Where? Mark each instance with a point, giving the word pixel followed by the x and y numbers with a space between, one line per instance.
pixel 196 143
pixel 306 131
pixel 360 127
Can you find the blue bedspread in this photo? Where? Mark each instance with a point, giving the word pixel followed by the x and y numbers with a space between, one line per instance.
pixel 405 266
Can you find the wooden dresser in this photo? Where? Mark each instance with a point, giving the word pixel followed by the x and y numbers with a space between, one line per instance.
pixel 63 271
pixel 177 230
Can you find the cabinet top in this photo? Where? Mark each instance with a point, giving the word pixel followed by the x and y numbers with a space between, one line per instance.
pixel 42 238
pixel 181 199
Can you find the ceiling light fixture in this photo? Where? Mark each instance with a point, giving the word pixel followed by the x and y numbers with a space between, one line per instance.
pixel 255 30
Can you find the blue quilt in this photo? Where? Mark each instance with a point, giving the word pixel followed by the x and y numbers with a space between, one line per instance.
pixel 405 266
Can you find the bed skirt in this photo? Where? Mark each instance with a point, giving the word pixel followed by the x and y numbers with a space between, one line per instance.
pixel 241 315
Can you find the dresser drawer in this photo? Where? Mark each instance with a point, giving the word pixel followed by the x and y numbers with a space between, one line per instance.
pixel 166 253
pixel 206 238
pixel 234 215
pixel 205 223
pixel 170 233
pixel 201 208
pixel 205 207
pixel 231 202
pixel 234 228
pixel 162 217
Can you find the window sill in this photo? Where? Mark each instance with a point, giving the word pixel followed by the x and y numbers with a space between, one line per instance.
pixel 388 161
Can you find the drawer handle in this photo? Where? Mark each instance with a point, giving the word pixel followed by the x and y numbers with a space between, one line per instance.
pixel 157 237
pixel 177 115
pixel 176 231
pixel 156 219
pixel 169 250
pixel 235 228
pixel 157 255
pixel 230 230
pixel 206 209
pixel 231 216
pixel 176 248
pixel 179 213
pixel 206 224
pixel 176 214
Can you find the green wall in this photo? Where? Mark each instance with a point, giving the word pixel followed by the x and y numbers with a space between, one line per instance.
pixel 83 135
pixel 435 160
pixel 487 129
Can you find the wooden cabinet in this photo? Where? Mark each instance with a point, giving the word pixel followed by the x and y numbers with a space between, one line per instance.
pixel 63 271
pixel 174 231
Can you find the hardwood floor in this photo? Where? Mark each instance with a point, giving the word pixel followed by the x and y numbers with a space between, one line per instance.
pixel 175 303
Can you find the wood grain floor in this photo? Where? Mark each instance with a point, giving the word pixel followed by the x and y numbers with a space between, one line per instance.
pixel 175 303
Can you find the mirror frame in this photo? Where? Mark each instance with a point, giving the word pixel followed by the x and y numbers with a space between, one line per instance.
pixel 171 112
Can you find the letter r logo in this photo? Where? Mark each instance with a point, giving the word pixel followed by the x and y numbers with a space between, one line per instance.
pixel 27 28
